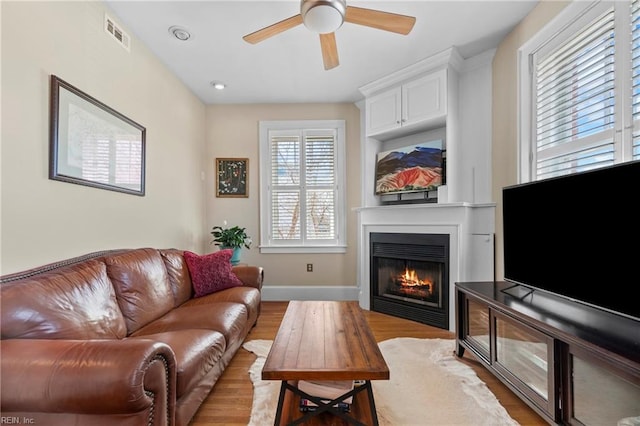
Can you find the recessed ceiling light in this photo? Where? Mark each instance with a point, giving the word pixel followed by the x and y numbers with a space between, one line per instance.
pixel 180 33
pixel 218 85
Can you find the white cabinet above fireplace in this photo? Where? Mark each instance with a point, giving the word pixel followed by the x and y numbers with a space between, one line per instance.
pixel 417 104
pixel 444 97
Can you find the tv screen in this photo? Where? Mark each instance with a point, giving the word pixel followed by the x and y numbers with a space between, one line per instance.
pixel 576 236
pixel 414 168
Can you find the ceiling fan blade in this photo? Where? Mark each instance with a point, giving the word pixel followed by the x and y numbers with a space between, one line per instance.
pixel 401 24
pixel 271 30
pixel 329 50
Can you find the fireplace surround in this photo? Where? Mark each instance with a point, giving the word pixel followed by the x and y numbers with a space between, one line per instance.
pixel 409 276
pixel 469 228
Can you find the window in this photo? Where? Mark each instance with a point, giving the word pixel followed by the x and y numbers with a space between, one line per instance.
pixel 635 77
pixel 580 91
pixel 302 195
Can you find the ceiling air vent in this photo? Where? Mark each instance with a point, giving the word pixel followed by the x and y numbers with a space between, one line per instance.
pixel 117 33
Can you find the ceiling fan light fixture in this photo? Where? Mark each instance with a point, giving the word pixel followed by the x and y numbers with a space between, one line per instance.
pixel 323 16
pixel 326 16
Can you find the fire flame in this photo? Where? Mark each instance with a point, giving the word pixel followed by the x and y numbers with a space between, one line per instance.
pixel 410 279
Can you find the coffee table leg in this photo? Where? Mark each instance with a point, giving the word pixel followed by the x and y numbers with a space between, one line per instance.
pixel 366 387
pixel 372 404
pixel 283 389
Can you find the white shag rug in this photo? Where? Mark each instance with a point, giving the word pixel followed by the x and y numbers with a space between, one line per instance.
pixel 427 386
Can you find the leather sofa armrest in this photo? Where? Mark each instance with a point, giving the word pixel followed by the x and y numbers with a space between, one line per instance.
pixel 251 276
pixel 88 376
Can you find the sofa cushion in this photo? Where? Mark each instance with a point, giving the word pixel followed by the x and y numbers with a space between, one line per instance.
pixel 141 284
pixel 196 351
pixel 178 273
pixel 73 302
pixel 211 272
pixel 248 296
pixel 227 318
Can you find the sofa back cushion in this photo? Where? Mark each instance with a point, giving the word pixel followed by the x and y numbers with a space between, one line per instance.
pixel 179 278
pixel 71 302
pixel 141 284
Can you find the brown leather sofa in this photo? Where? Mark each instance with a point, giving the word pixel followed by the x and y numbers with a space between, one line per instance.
pixel 117 338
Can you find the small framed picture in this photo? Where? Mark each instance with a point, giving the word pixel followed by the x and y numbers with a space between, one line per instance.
pixel 232 177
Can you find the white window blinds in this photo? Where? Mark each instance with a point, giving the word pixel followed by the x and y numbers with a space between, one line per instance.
pixel 575 102
pixel 321 188
pixel 285 187
pixel 302 196
pixel 635 77
pixel 580 91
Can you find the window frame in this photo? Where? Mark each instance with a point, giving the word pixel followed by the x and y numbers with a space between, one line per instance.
pixel 337 245
pixel 572 19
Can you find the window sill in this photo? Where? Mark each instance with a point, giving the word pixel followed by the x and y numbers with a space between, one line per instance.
pixel 302 249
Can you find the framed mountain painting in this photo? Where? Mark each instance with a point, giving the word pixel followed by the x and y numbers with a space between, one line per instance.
pixel 413 168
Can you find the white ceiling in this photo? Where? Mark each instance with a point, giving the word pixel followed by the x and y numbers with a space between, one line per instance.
pixel 288 68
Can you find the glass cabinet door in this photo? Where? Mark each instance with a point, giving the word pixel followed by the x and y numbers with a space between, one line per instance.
pixel 477 332
pixel 600 395
pixel 525 355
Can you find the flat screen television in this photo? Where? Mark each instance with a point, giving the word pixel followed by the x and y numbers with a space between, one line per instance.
pixel 577 236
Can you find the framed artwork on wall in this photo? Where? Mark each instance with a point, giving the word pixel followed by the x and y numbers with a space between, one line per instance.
pixel 92 144
pixel 232 177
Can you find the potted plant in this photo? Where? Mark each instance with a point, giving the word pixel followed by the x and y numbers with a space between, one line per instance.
pixel 231 238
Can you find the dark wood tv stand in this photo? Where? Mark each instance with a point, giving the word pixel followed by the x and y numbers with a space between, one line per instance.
pixel 572 363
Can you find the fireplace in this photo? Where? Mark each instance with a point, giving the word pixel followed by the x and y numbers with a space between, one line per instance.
pixel 410 276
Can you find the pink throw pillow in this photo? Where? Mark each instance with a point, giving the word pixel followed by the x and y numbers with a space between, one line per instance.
pixel 211 272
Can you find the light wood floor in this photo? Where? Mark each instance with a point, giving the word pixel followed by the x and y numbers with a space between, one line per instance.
pixel 230 401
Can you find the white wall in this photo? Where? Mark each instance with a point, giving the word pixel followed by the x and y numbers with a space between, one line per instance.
pixel 44 220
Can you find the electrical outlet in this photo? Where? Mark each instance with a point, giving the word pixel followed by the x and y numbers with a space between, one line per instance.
pixel 309 267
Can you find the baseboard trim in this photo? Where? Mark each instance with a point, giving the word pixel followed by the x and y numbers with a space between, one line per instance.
pixel 285 293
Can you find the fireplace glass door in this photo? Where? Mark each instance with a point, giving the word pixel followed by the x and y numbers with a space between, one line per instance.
pixel 410 280
pixel 410 276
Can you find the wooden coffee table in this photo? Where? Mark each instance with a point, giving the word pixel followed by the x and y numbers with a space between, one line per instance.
pixel 325 340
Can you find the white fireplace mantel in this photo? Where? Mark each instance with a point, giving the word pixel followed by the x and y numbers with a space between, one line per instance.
pixel 471 239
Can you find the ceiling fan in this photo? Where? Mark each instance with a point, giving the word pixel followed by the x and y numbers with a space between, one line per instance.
pixel 326 16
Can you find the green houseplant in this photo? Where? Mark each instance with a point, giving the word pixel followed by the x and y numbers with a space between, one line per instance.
pixel 231 238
